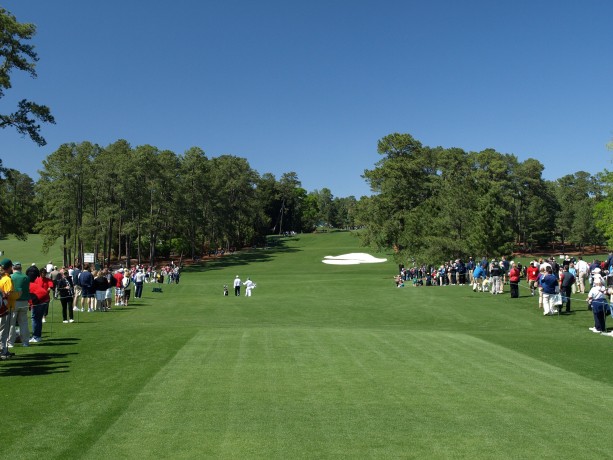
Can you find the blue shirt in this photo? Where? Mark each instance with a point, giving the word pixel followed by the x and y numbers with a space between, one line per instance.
pixel 86 279
pixel 549 283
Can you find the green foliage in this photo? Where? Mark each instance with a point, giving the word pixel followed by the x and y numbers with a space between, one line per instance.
pixel 17 54
pixel 435 204
pixel 603 210
pixel 577 195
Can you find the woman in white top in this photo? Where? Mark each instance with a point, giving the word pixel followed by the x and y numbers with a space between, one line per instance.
pixel 126 283
pixel 598 302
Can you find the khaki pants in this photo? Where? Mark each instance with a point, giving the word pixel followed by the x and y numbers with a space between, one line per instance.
pixel 5 325
pixel 581 281
pixel 19 317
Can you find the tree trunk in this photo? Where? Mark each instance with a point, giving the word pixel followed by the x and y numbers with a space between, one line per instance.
pixel 66 259
pixel 119 240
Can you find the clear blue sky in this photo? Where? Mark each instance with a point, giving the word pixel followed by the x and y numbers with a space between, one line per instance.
pixel 311 86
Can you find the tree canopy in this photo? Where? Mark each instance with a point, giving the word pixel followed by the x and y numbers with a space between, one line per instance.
pixel 435 204
pixel 16 53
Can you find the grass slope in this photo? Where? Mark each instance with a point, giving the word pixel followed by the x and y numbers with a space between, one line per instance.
pixel 322 362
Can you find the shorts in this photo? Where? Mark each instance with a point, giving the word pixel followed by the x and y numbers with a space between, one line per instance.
pixel 100 296
pixel 77 291
pixel 108 293
pixel 118 291
pixel 126 294
pixel 87 292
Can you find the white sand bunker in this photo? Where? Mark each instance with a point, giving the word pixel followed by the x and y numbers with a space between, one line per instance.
pixel 354 258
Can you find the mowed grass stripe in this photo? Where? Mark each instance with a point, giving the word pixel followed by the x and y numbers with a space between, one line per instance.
pixel 159 419
pixel 333 393
pixel 323 362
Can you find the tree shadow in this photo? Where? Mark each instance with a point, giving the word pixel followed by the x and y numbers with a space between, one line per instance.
pixel 37 363
pixel 275 245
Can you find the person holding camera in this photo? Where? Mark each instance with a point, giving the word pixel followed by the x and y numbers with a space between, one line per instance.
pixel 65 289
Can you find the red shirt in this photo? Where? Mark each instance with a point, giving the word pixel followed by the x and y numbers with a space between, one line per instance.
pixel 40 288
pixel 119 277
pixel 533 273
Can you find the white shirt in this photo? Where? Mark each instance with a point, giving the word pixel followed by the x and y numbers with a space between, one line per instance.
pixel 237 282
pixel 597 279
pixel 597 292
pixel 125 283
pixel 582 266
pixel 248 284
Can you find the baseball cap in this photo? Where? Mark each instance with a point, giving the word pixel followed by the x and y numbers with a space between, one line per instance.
pixel 6 263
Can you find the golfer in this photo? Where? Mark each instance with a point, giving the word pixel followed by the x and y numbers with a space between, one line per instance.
pixel 249 285
pixel 237 286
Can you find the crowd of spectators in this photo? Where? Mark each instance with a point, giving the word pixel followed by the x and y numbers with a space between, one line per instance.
pixel 554 283
pixel 82 289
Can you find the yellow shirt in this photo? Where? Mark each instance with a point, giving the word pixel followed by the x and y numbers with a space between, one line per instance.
pixel 6 286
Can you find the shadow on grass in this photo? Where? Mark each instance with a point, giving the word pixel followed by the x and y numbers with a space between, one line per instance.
pixel 62 341
pixel 276 245
pixel 39 363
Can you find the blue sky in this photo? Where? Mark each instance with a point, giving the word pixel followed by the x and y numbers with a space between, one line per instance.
pixel 312 86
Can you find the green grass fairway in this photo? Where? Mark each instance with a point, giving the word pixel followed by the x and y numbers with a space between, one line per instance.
pixel 322 362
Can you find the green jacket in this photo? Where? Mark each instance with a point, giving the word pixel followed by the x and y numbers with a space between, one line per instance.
pixel 21 283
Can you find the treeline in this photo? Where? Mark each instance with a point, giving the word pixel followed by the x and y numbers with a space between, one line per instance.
pixel 435 204
pixel 430 204
pixel 147 203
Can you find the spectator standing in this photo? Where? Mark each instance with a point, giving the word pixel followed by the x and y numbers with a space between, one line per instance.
pixel 48 284
pixel 32 272
pixel 532 273
pixel 110 292
pixel 504 266
pixel 118 286
pixel 514 277
pixel 127 287
pixel 555 267
pixel 549 283
pixel 76 285
pixel 9 296
pixel 101 284
pixel 595 265
pixel 598 302
pixel 596 275
pixel 573 271
pixel 461 272
pixel 139 279
pixel 39 291
pixel 21 284
pixel 64 289
pixel 495 277
pixel 583 269
pixel 470 268
pixel 567 281
pixel 86 280
pixel 609 262
pixel 53 273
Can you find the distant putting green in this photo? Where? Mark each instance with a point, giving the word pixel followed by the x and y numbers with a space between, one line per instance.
pixel 323 361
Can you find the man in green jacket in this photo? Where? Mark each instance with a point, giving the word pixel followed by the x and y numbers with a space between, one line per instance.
pixel 21 284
